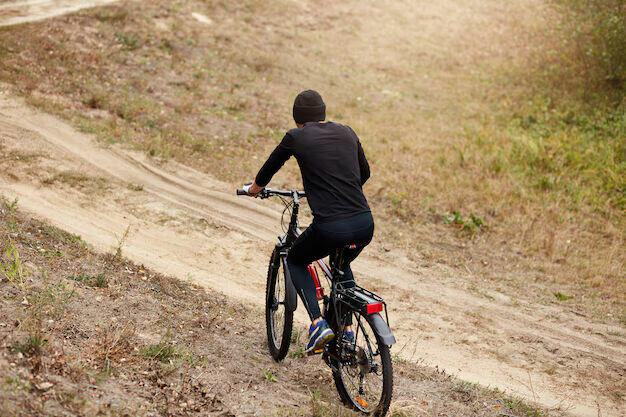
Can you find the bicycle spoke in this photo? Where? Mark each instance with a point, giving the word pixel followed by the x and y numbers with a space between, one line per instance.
pixel 350 380
pixel 367 339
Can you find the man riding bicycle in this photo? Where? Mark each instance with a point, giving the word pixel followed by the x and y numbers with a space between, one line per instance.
pixel 334 169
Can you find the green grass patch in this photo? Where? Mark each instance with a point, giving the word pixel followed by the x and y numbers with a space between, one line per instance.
pixel 18 382
pixel 33 345
pixel 562 297
pixel 163 351
pixel 61 235
pixel 565 150
pixel 521 407
pixel 468 226
pixel 297 353
pixel 269 376
pixel 99 281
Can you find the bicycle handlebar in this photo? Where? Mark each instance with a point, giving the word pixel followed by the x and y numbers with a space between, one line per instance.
pixel 268 192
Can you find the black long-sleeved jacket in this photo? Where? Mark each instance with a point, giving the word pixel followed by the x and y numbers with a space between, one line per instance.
pixel 333 167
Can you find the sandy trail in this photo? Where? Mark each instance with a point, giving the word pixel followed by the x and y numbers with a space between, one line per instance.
pixel 189 225
pixel 22 11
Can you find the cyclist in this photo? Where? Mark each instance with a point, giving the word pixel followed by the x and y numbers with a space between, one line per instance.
pixel 334 169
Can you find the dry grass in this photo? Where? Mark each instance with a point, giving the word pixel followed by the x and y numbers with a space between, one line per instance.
pixel 432 89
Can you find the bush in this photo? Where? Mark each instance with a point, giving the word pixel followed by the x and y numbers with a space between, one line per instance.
pixel 598 27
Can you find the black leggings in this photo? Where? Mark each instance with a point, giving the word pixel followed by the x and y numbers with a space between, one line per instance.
pixel 320 240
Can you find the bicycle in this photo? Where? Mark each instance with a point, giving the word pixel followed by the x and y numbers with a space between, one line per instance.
pixel 361 367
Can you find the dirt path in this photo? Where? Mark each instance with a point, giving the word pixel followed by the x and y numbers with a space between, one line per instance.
pixel 14 12
pixel 184 223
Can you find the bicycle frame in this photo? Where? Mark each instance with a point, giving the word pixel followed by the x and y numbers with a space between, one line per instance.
pixel 356 298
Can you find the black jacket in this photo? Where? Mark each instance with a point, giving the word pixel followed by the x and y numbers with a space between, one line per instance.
pixel 333 168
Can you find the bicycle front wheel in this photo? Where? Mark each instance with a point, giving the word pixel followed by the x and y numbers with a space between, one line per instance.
pixel 278 312
pixel 364 374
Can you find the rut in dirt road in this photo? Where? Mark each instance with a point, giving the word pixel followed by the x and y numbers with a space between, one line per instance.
pixel 184 223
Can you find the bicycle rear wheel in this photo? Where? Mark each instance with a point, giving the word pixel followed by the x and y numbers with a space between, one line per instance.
pixel 278 312
pixel 363 373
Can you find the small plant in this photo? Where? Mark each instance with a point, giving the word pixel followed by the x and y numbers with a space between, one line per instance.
pixel 18 382
pixel 520 406
pixel 31 346
pixel 163 351
pixel 195 361
pixel 128 40
pixel 465 391
pixel 298 353
pixel 269 376
pixel 469 226
pixel 400 359
pixel 99 280
pixel 52 299
pixel 11 266
pixel 120 243
pixel 562 297
pixel 295 336
pixel 10 217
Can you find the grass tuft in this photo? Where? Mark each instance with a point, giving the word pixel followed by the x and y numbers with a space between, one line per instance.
pixel 163 351
pixel 468 226
pixel 11 265
pixel 31 346
pixel 562 297
pixel 99 281
pixel 269 376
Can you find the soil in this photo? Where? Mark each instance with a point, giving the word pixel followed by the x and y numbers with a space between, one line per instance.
pixel 183 223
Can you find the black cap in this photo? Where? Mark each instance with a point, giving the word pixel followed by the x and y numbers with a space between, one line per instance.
pixel 309 107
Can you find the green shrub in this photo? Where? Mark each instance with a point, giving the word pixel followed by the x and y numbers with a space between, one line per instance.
pixel 599 29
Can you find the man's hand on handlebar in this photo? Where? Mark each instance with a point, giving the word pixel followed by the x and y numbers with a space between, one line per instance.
pixel 252 189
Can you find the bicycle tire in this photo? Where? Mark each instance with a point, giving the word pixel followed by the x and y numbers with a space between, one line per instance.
pixel 278 344
pixel 387 381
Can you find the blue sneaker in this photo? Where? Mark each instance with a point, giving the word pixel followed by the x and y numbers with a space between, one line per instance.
pixel 349 335
pixel 319 335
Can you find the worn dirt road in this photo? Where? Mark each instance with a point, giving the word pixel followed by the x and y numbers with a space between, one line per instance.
pixel 183 223
pixel 14 12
